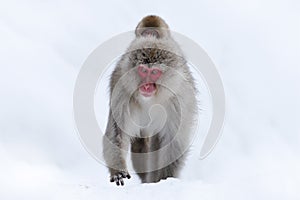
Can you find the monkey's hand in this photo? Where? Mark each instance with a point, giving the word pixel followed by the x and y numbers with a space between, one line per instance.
pixel 118 177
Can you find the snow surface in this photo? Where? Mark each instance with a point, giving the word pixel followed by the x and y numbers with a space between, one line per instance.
pixel 255 45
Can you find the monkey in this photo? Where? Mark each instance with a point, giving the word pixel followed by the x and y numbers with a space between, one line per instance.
pixel 152 71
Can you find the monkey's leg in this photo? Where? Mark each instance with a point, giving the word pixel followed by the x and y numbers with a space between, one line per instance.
pixel 153 159
pixel 115 146
pixel 171 170
pixel 145 164
pixel 139 146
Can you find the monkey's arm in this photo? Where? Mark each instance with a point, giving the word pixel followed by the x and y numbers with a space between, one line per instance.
pixel 115 147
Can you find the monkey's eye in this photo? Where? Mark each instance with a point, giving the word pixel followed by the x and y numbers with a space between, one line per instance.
pixel 144 70
pixel 155 71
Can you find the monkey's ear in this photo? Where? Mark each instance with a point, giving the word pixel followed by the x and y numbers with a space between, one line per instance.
pixel 152 26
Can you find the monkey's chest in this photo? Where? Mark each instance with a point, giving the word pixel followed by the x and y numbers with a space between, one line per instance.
pixel 150 119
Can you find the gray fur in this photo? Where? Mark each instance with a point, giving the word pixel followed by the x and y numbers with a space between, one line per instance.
pixel 173 139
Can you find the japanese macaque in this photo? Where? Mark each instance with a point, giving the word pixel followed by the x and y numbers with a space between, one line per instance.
pixel 153 107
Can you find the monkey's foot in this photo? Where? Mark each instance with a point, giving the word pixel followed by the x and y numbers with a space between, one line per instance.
pixel 118 177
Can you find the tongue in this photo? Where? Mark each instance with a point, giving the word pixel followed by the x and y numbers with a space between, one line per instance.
pixel 148 88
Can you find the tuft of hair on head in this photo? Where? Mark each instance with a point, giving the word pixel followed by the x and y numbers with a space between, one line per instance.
pixel 152 25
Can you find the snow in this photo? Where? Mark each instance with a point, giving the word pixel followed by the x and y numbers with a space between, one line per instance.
pixel 255 45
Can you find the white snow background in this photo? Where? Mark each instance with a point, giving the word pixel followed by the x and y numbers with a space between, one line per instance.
pixel 255 45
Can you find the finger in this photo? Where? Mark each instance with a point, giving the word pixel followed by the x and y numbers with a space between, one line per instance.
pixel 122 182
pixel 111 179
pixel 116 179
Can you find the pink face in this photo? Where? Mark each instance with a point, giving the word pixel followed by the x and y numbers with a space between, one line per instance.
pixel 148 76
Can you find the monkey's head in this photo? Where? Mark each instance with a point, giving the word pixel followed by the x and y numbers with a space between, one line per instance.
pixel 153 60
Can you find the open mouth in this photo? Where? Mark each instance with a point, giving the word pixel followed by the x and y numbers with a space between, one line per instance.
pixel 147 89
